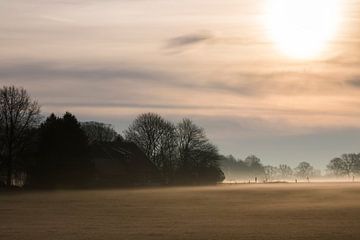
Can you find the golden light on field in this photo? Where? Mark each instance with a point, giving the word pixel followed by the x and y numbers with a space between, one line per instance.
pixel 302 28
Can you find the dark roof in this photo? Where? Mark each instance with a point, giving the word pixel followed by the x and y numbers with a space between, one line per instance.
pixel 122 163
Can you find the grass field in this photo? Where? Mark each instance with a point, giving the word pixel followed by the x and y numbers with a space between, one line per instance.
pixel 263 211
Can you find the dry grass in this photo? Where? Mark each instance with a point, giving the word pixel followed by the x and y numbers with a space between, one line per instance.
pixel 274 211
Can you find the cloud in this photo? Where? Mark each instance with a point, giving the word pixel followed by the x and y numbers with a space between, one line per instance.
pixel 188 39
pixel 261 84
pixel 58 19
pixel 240 83
pixel 62 70
pixel 136 105
pixel 354 82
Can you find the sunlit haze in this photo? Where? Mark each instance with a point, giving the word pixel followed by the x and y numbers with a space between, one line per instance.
pixel 303 28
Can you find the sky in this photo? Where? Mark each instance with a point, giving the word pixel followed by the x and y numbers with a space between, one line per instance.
pixel 215 62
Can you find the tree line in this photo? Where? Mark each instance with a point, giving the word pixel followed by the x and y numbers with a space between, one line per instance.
pixel 348 165
pixel 251 168
pixel 59 151
pixel 180 151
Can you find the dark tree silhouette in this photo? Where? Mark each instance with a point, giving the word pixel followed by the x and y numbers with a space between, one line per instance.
pixel 237 169
pixel 18 115
pixel 198 158
pixel 100 132
pixel 61 159
pixel 156 137
pixel 346 165
pixel 255 167
pixel 304 170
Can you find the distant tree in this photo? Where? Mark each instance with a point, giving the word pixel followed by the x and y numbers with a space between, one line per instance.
pixel 346 165
pixel 285 171
pixel 237 169
pixel 255 167
pixel 271 172
pixel 337 167
pixel 304 170
pixel 61 159
pixel 228 165
pixel 198 158
pixel 100 132
pixel 352 163
pixel 157 138
pixel 18 115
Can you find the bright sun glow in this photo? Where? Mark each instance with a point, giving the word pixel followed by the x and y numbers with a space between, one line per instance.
pixel 302 28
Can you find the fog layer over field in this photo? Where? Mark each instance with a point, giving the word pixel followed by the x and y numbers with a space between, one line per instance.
pixel 242 211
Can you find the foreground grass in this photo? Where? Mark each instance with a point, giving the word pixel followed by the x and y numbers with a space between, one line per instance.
pixel 270 211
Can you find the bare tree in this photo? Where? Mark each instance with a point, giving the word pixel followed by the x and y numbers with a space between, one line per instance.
pixel 18 114
pixel 196 154
pixel 346 165
pixel 156 137
pixel 2 151
pixel 191 139
pixel 254 166
pixel 99 132
pixel 271 172
pixel 305 170
pixel 285 171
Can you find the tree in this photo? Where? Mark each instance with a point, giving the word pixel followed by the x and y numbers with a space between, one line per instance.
pixel 157 138
pixel 99 132
pixel 346 165
pixel 61 159
pixel 304 170
pixel 197 156
pixel 18 115
pixel 228 165
pixel 337 167
pixel 285 171
pixel 255 168
pixel 2 155
pixel 167 159
pixel 271 172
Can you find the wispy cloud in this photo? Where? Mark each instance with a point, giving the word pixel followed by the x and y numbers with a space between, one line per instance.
pixel 189 39
pixel 52 70
pixel 241 83
pixel 58 19
pixel 354 82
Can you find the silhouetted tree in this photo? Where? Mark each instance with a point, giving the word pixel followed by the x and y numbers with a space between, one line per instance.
pixel 61 159
pixel 18 115
pixel 271 172
pixel 285 171
pixel 228 165
pixel 2 155
pixel 346 165
pixel 237 169
pixel 198 158
pixel 167 158
pixel 337 167
pixel 100 132
pixel 255 168
pixel 157 138
pixel 304 170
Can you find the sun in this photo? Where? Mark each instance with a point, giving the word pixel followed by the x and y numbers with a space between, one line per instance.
pixel 302 28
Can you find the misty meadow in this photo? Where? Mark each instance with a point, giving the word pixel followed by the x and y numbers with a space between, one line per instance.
pixel 192 119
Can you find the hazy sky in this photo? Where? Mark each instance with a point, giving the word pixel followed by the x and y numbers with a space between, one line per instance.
pixel 213 61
